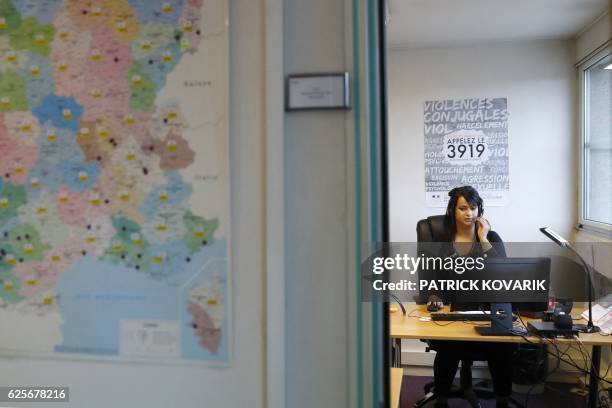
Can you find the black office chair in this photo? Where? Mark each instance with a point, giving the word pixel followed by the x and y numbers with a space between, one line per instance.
pixel 432 229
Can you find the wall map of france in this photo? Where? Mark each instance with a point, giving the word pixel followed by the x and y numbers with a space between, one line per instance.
pixel 114 195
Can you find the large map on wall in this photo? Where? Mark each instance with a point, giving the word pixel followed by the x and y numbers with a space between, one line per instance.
pixel 114 184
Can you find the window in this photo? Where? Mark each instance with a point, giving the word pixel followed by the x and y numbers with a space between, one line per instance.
pixel 596 137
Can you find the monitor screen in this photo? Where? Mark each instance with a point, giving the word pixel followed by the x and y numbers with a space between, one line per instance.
pixel 509 270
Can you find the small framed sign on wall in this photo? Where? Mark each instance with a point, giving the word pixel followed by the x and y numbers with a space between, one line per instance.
pixel 317 91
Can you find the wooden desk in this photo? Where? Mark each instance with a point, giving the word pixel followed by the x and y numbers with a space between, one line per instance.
pixel 410 327
pixel 397 374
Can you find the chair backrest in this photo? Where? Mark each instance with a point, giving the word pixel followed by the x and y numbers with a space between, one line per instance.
pixel 431 229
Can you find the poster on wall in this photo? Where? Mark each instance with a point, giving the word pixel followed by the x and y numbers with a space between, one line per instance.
pixel 466 143
pixel 114 180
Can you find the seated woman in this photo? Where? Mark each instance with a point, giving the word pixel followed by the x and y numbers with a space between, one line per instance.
pixel 470 235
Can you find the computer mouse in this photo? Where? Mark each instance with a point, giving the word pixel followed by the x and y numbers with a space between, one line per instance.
pixel 433 307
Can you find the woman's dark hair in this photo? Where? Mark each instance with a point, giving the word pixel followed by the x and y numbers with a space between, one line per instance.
pixel 471 196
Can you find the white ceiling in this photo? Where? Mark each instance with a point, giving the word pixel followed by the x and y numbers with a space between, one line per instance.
pixel 426 23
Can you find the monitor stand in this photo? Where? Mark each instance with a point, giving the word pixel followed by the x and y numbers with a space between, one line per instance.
pixel 501 321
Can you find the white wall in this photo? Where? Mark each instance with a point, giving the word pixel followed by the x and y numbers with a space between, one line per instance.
pixel 594 35
pixel 539 80
pixel 110 384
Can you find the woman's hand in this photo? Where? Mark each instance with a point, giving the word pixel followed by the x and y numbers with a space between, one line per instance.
pixel 482 228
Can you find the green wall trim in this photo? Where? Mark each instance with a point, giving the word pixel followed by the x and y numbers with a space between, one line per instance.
pixel 358 197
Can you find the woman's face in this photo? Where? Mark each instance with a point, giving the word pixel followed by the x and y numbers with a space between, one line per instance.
pixel 465 213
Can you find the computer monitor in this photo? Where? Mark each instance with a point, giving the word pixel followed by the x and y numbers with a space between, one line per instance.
pixel 508 268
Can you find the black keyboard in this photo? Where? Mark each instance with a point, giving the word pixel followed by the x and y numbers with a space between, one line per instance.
pixel 454 317
pixel 463 317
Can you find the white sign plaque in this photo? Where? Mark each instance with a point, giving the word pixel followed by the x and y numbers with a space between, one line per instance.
pixel 318 91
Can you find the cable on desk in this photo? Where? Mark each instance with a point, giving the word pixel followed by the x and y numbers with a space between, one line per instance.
pixel 518 326
pixel 607 370
pixel 571 363
pixel 559 357
pixel 440 324
pixel 588 363
pixel 584 354
pixel 584 370
pixel 600 379
pixel 475 323
pixel 554 344
pixel 520 319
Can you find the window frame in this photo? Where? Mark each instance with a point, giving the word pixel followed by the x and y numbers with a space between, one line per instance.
pixel 584 223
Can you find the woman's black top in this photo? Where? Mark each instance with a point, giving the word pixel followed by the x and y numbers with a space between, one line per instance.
pixel 447 250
